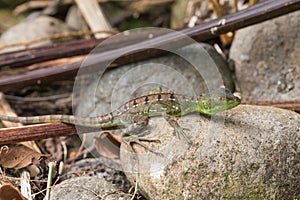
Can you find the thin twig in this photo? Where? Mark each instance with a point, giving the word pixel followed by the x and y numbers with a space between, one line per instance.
pixel 56 36
pixel 285 104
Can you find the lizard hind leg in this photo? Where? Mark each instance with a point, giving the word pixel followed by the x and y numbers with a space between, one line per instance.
pixel 135 132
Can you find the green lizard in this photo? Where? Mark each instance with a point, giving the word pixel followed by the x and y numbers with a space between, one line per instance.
pixel 136 113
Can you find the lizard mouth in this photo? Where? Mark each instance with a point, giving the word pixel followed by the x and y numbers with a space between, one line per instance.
pixel 233 103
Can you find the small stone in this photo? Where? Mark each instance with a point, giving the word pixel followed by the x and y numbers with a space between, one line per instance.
pixel 38 27
pixel 87 188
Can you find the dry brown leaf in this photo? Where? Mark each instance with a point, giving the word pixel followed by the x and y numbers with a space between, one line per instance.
pixel 8 191
pixel 108 145
pixel 17 156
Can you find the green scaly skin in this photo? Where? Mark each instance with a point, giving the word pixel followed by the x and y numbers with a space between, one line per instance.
pixel 138 110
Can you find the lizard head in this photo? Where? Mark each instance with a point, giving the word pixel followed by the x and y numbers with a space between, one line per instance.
pixel 218 101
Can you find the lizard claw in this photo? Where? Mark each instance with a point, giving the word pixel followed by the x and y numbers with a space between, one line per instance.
pixel 181 132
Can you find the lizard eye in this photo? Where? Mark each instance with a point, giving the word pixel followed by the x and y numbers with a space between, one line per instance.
pixel 205 105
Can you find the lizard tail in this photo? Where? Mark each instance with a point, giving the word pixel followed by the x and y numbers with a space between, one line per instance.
pixel 40 119
pixel 102 121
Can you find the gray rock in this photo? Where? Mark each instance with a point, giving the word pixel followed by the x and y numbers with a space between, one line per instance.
pixel 75 20
pixel 267 59
pixel 249 152
pixel 93 178
pixel 109 169
pixel 116 87
pixel 31 29
pixel 86 188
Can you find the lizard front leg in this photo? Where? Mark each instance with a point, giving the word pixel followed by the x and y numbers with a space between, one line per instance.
pixel 172 120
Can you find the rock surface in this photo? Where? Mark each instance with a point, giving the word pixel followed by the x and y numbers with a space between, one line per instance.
pixel 252 153
pixel 267 59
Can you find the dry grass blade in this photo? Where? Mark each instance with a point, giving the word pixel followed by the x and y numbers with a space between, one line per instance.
pixel 94 16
